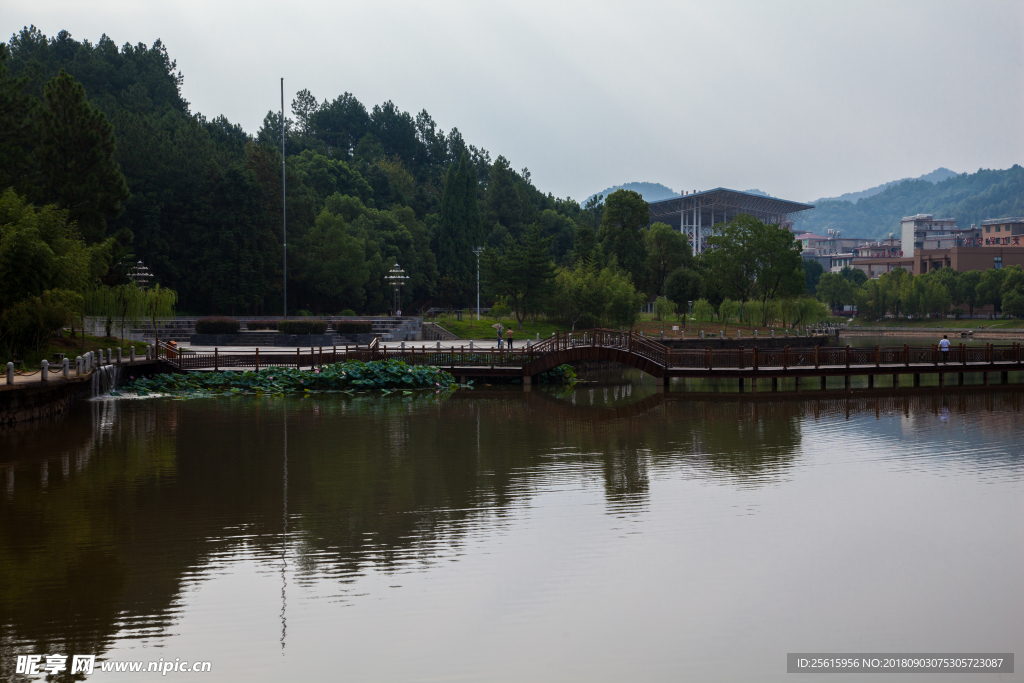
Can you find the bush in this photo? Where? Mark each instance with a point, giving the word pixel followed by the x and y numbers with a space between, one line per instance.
pixel 261 325
pixel 302 327
pixel 353 328
pixel 347 313
pixel 217 326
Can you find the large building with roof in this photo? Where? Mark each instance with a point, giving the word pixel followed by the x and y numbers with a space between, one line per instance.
pixel 696 213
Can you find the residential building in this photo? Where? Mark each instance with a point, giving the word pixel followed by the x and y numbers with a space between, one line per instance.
pixel 1002 232
pixel 962 259
pixel 915 231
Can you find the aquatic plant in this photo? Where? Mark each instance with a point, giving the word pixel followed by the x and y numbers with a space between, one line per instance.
pixel 348 377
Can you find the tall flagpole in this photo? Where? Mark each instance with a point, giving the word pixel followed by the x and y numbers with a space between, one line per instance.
pixel 284 211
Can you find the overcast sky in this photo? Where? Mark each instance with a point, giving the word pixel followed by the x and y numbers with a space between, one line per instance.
pixel 799 99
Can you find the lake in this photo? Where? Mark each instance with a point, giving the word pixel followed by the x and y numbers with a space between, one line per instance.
pixel 611 532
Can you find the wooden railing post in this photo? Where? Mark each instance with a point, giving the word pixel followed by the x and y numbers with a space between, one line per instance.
pixel 755 359
pixel 785 358
pixel 257 359
pixel 847 356
pixel 297 359
pixel 216 360
pixel 817 362
pixel 876 355
pixel 906 355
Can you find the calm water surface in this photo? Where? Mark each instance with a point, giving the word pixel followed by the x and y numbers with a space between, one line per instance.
pixel 609 533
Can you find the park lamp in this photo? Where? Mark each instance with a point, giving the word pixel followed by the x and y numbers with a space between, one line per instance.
pixel 140 275
pixel 396 277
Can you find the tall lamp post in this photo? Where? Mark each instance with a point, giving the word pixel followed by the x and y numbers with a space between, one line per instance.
pixel 478 251
pixel 396 277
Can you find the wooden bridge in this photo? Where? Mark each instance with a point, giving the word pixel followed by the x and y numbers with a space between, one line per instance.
pixel 653 358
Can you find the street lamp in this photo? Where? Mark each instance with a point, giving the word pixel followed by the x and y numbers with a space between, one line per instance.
pixel 396 277
pixel 478 251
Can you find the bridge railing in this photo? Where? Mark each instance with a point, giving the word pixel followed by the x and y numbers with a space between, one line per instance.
pixel 742 358
pixel 833 357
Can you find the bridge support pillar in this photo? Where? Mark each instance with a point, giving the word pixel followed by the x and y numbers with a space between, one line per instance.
pixel 895 381
pixel 984 376
pixel 666 381
pixel 822 383
pixel 846 381
pixel 741 385
pixel 960 378
pixel 527 380
pixel 797 381
pixel 942 379
pixel 775 380
pixel 917 379
pixel 1004 377
pixel 753 383
pixel 871 381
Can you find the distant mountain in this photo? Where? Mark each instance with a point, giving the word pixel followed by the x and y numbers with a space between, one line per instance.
pixel 969 198
pixel 936 176
pixel 651 192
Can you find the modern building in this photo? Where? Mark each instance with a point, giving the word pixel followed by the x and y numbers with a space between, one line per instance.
pixel 924 231
pixel 1001 232
pixel 696 213
pixel 958 258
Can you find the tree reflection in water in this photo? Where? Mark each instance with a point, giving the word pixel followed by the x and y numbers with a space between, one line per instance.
pixel 109 514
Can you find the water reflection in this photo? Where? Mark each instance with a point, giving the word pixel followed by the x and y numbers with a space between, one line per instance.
pixel 109 517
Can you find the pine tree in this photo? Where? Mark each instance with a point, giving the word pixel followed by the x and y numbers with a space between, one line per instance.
pixel 76 156
pixel 474 221
pixel 453 248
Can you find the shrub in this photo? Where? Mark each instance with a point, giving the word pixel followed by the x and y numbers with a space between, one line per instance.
pixel 217 325
pixel 302 327
pixel 353 328
pixel 347 313
pixel 261 325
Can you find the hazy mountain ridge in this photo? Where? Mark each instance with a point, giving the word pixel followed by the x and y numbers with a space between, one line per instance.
pixel 936 176
pixel 969 198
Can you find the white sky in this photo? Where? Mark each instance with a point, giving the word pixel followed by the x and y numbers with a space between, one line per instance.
pixel 801 99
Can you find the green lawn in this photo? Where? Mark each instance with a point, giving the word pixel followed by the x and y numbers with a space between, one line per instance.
pixel 482 329
pixel 73 347
pixel 963 323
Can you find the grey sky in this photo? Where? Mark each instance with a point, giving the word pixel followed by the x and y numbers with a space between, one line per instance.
pixel 800 99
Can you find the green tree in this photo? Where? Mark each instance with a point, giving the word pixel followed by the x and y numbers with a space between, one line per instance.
pixel 334 266
pixel 17 112
pixel 812 272
pixel 855 276
pixel 520 272
pixel 703 311
pixel 76 156
pixel 667 251
pixel 967 289
pixel 683 285
pixel 620 235
pixel 834 290
pixel 990 286
pixel 728 310
pixel 749 258
pixel 454 251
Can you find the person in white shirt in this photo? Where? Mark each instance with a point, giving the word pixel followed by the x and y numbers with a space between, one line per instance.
pixel 944 348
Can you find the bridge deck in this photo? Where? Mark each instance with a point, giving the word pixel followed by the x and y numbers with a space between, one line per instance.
pixel 640 352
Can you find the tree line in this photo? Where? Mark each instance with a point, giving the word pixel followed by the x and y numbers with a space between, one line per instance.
pixel 103 164
pixel 938 292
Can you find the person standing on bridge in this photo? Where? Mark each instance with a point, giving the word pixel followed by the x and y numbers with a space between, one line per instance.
pixel 508 338
pixel 499 327
pixel 944 347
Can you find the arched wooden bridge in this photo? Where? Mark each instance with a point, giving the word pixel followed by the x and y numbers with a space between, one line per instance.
pixel 653 358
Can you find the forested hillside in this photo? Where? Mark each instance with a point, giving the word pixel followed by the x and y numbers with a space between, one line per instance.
pixel 936 176
pixel 198 199
pixel 969 198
